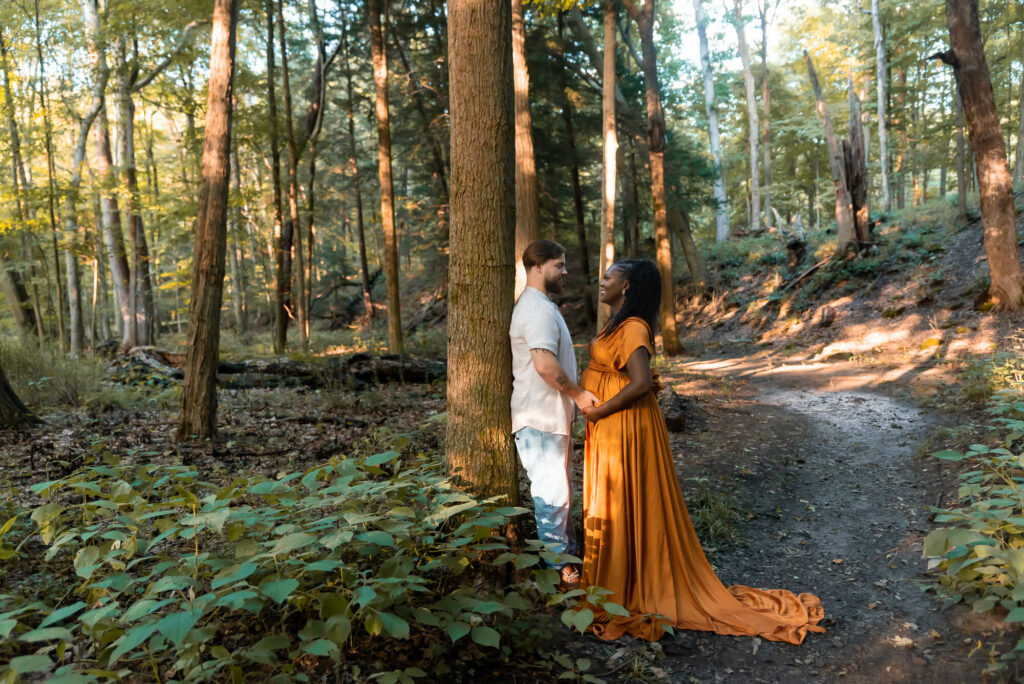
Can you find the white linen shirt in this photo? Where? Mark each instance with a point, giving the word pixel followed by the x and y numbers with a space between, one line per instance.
pixel 537 324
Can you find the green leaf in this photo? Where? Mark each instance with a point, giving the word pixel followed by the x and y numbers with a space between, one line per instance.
pixel 525 561
pixel 457 630
pixel 131 640
pixel 395 626
pixel 322 647
pixel 239 573
pixel 45 634
pixel 171 583
pixel 1015 615
pixel 377 537
pixel 176 626
pixel 380 459
pixel 291 542
pixel 325 565
pixel 7 626
pixel 485 636
pixel 142 608
pixel 235 599
pixel 949 455
pixel 29 663
pixel 280 590
pixel 61 613
pixel 614 609
pixel 583 619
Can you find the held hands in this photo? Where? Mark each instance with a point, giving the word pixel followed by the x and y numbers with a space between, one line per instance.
pixel 594 412
pixel 586 399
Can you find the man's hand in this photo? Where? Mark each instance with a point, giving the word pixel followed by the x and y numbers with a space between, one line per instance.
pixel 594 413
pixel 586 399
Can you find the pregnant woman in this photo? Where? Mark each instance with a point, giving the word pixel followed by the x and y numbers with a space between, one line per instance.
pixel 639 540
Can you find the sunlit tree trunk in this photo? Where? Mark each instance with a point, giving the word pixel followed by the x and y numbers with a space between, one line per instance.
pixel 998 213
pixel 711 107
pixel 883 133
pixel 610 150
pixel 1018 164
pixel 482 267
pixel 199 390
pixel 845 232
pixel 112 234
pixel 527 206
pixel 644 18
pixel 752 125
pixel 387 191
pixel 282 282
pixel 364 268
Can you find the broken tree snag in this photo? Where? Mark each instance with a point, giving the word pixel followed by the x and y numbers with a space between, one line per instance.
pixel 855 162
pixel 682 414
pixel 13 413
pixel 846 234
pixel 998 213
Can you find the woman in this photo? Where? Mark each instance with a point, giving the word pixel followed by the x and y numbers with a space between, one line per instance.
pixel 640 543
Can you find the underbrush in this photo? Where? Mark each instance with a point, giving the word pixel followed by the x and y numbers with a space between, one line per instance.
pixel 353 566
pixel 716 516
pixel 978 552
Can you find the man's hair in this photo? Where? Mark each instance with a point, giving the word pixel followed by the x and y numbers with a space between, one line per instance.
pixel 541 251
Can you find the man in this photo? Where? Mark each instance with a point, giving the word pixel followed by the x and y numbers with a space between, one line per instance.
pixel 544 389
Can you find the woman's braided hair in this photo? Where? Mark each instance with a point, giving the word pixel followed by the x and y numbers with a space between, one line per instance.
pixel 642 298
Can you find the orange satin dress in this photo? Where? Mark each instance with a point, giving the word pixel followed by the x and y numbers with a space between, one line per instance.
pixel 639 541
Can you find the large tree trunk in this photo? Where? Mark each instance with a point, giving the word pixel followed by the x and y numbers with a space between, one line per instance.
pixel 846 234
pixel 112 233
pixel 481 273
pixel 293 230
pixel 610 149
pixel 998 213
pixel 364 269
pixel 855 156
pixel 883 133
pixel 656 152
pixel 199 391
pixel 711 107
pixel 752 126
pixel 766 129
pixel 527 206
pixel 13 413
pixel 387 190
pixel 282 279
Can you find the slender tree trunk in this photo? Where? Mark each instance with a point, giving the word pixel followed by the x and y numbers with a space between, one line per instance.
pixel 752 127
pixel 998 213
pixel 527 207
pixel 282 283
pixel 1018 164
pixel 961 159
pixel 364 269
pixel 293 230
pixel 112 233
pixel 656 152
pixel 711 107
pixel 883 133
pixel 611 145
pixel 478 446
pixel 387 191
pixel 631 206
pixel 235 230
pixel 766 129
pixel 845 232
pixel 680 222
pixel 901 153
pixel 199 391
pixel 577 194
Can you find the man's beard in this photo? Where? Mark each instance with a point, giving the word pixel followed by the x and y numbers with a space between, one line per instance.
pixel 554 286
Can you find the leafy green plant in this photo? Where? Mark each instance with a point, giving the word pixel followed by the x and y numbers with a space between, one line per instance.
pixel 154 569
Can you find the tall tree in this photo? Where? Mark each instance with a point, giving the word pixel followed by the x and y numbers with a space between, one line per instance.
pixel 880 81
pixel 1018 164
pixel 711 107
pixel 13 413
pixel 527 205
pixel 846 235
pixel 199 391
pixel 998 213
pixel 610 149
pixel 282 270
pixel 644 18
pixel 752 126
pixel 763 7
pixel 481 272
pixel 387 190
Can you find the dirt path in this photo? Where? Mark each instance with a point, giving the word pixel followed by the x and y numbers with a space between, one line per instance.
pixel 838 502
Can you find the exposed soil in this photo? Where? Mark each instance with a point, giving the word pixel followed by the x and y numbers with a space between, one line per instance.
pixel 838 502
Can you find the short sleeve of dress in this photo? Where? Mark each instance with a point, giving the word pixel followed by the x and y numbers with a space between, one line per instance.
pixel 633 334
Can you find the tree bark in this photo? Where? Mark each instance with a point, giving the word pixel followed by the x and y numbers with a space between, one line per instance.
pixel 1018 164
pixel 766 129
pixel 13 413
pixel 883 133
pixel 387 190
pixel 241 300
pixel 610 149
pixel 752 126
pixel 901 138
pixel 656 152
pixel 845 232
pixel 481 275
pixel 679 219
pixel 199 391
pixel 112 234
pixel 282 280
pixel 527 206
pixel 856 169
pixel 961 159
pixel 711 107
pixel 998 213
